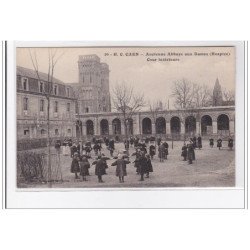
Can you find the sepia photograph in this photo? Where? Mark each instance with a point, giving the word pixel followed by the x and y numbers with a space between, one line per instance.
pixel 125 117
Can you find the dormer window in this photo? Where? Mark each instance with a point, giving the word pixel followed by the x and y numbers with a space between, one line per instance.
pixel 67 91
pixel 55 90
pixel 25 83
pixel 41 87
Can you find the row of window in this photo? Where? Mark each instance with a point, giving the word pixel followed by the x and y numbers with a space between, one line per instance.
pixel 42 105
pixel 25 85
pixel 43 132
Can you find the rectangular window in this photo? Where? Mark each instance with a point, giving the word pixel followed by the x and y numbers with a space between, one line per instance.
pixel 68 107
pixel 55 90
pixel 67 92
pixel 42 105
pixel 25 103
pixel 41 87
pixel 25 83
pixel 56 107
pixel 26 132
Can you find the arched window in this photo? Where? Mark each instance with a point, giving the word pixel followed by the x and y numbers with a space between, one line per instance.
pixel 116 126
pixel 90 127
pixel 190 125
pixel 223 122
pixel 206 125
pixel 160 125
pixel 146 126
pixel 104 125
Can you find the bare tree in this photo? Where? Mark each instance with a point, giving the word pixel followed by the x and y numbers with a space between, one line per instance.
pixel 126 101
pixel 202 95
pixel 228 96
pixel 182 91
pixel 77 92
pixel 52 61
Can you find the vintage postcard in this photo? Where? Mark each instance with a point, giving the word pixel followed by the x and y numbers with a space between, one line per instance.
pixel 125 117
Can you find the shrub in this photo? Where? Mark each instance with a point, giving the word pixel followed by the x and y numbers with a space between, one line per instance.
pixel 30 166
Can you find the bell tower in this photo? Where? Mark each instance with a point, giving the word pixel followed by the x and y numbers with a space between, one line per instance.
pixel 94 82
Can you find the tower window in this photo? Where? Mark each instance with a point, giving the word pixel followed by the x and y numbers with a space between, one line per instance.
pixel 56 131
pixel 67 90
pixel 87 109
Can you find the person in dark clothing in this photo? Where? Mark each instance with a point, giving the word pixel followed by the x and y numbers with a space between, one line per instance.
pixel 149 167
pixel 158 141
pixel 211 142
pixel 190 153
pixel 121 167
pixel 142 166
pixel 100 168
pixel 131 141
pixel 78 148
pixel 165 144
pixel 73 150
pixel 194 142
pixel 106 141
pixel 75 166
pixel 219 143
pixel 87 148
pixel 161 151
pixel 136 141
pixel 152 151
pixel 230 143
pixel 111 147
pixel 137 154
pixel 199 142
pixel 84 167
pixel 96 148
pixel 126 144
pixel 184 152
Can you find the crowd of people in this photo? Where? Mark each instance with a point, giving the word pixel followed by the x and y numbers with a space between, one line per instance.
pixel 145 150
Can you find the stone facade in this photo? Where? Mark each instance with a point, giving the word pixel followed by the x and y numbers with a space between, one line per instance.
pixel 93 85
pixel 207 121
pixel 32 107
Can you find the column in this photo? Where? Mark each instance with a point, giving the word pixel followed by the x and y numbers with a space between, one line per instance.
pixel 168 128
pixel 136 125
pixel 84 132
pixel 182 128
pixel 122 128
pixel 231 127
pixel 97 126
pixel 198 129
pixel 153 128
pixel 110 129
pixel 215 127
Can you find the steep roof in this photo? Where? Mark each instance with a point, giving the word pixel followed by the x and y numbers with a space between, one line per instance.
pixel 25 72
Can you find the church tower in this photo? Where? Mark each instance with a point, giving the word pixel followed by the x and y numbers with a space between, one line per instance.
pixel 94 84
pixel 217 94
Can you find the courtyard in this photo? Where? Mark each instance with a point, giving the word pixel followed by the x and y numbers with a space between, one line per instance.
pixel 212 168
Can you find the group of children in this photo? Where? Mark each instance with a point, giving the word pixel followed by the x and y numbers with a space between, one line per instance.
pixel 219 143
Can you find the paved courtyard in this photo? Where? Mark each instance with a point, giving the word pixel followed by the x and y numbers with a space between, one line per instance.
pixel 212 168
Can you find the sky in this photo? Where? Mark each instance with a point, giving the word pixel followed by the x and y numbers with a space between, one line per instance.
pixel 144 67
